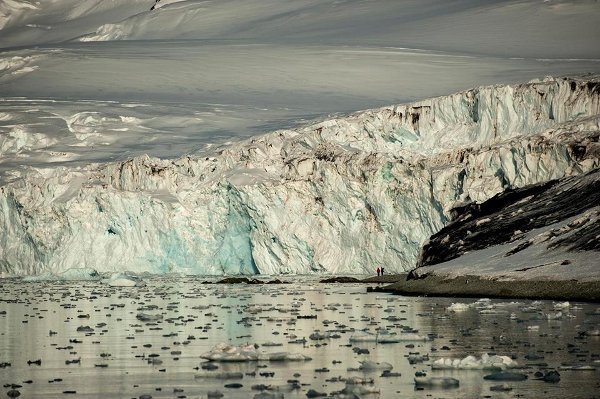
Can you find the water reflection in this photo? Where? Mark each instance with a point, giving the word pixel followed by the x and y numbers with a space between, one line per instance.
pixel 127 357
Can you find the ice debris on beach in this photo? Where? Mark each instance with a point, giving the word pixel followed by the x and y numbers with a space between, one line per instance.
pixel 486 362
pixel 247 353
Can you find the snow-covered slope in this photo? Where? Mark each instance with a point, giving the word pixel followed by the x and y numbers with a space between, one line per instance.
pixel 548 230
pixel 27 22
pixel 344 195
pixel 193 74
pixel 523 28
pixel 465 26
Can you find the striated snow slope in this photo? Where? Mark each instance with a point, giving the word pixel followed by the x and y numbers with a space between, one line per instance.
pixel 341 196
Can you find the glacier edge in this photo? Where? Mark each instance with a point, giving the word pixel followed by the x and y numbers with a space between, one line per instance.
pixel 340 196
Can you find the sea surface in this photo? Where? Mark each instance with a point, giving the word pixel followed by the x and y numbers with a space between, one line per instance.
pixel 120 356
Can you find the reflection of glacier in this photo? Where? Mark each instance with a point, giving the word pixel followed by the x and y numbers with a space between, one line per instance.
pixel 341 196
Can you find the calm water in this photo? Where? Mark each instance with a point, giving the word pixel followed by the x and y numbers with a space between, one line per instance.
pixel 40 321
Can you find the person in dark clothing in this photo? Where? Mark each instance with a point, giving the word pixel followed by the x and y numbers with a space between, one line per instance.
pixel 382 271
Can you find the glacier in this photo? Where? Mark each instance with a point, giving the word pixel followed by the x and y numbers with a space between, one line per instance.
pixel 342 195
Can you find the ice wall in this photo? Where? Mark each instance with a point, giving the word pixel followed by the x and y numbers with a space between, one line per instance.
pixel 341 196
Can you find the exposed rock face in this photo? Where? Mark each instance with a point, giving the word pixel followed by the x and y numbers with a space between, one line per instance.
pixel 507 216
pixel 340 196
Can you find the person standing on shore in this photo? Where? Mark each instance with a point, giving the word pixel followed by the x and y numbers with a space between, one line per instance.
pixel 382 271
pixel 378 271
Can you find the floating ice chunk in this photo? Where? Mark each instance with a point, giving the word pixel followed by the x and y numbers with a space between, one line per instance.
pixel 486 362
pixel 562 305
pixel 84 273
pixel 493 311
pixel 554 316
pixel 367 365
pixel 436 382
pixel 458 307
pixel 552 376
pixel 230 353
pixel 363 336
pixel 358 381
pixel 149 317
pixel 577 368
pixel 317 336
pixel 415 358
pixel 247 353
pixel 270 344
pixel 221 375
pixel 501 388
pixel 282 356
pixel 269 395
pixel 410 337
pixel 384 337
pixel 124 280
pixel 358 390
pixel 505 376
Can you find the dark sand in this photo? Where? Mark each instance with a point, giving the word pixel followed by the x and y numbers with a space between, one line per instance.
pixel 474 286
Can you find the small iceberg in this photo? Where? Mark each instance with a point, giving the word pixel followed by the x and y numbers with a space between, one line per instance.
pixel 436 382
pixel 368 365
pixel 363 336
pixel 248 353
pixel 221 375
pixel 554 316
pixel 82 274
pixel 124 280
pixel 505 376
pixel 458 307
pixel 486 362
pixel 148 317
pixel 385 337
pixel 562 305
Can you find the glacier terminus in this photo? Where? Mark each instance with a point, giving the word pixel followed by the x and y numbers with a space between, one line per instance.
pixel 339 196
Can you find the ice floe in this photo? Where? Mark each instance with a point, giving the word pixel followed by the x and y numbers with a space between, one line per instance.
pixel 485 362
pixel 246 353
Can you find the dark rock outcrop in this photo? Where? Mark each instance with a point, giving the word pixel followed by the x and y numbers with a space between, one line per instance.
pixel 514 212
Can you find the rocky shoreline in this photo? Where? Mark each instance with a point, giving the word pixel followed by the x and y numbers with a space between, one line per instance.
pixel 476 286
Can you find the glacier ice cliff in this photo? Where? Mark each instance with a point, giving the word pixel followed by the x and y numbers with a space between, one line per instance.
pixel 340 196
